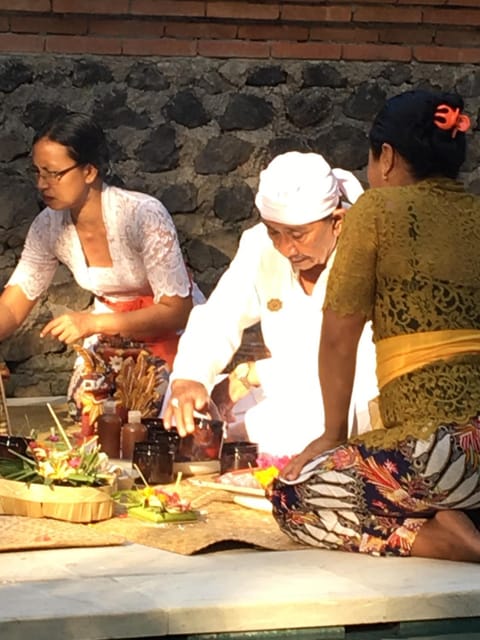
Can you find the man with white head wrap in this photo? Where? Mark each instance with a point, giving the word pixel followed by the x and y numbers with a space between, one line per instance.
pixel 299 188
pixel 278 278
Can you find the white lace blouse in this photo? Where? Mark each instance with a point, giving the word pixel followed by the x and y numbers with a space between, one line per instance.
pixel 143 245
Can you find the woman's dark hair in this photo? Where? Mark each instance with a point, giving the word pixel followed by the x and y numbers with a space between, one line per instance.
pixel 84 139
pixel 406 122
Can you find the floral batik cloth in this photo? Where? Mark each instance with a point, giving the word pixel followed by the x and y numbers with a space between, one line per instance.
pixel 375 500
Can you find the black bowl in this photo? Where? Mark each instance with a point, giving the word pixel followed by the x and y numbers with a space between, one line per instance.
pixel 151 423
pixel 238 455
pixel 204 444
pixel 13 443
pixel 155 460
pixel 157 432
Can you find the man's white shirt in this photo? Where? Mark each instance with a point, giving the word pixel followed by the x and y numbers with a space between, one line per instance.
pixel 260 285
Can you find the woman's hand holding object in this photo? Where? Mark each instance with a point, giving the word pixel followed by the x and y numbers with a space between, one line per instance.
pixel 70 327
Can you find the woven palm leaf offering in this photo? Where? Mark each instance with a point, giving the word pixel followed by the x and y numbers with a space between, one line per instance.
pixel 57 480
pixel 156 504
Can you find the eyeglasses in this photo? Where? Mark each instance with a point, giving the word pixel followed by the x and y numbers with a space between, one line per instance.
pixel 50 176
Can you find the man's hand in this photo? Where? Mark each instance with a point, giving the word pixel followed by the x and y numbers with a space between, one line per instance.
pixel 234 387
pixel 186 397
pixel 223 401
pixel 70 327
pixel 311 451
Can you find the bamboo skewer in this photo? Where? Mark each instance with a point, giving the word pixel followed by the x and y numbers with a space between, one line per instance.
pixel 59 426
pixel 177 483
pixel 142 477
pixel 27 422
pixel 3 399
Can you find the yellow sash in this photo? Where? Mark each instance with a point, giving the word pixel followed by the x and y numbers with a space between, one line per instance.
pixel 401 354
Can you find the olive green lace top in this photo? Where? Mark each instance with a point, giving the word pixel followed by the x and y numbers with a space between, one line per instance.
pixel 408 258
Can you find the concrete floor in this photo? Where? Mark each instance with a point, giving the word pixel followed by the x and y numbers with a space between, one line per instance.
pixel 136 591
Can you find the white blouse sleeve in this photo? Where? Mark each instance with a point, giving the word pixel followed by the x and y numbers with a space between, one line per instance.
pixel 37 265
pixel 155 238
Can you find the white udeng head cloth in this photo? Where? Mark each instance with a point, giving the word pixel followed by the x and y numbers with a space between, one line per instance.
pixel 298 188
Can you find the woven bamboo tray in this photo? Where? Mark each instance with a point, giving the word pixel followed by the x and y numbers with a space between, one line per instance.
pixel 73 504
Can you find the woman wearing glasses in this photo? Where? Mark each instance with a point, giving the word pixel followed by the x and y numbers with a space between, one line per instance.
pixel 120 245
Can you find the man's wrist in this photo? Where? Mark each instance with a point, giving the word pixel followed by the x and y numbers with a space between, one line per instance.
pixel 243 373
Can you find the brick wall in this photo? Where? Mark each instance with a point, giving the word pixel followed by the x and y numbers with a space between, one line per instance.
pixel 441 31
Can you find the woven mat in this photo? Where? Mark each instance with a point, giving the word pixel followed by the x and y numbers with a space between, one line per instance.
pixel 18 533
pixel 222 525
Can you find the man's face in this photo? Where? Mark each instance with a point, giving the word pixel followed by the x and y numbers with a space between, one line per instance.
pixel 306 245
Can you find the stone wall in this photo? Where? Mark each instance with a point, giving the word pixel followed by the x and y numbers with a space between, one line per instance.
pixel 195 132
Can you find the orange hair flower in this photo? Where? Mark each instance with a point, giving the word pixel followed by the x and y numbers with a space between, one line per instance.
pixel 448 118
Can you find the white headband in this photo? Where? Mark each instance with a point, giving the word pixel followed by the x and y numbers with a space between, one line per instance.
pixel 298 188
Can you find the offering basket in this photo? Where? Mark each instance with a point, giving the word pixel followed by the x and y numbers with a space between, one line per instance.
pixel 73 504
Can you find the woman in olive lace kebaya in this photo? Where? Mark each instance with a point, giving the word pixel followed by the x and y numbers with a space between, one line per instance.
pixel 409 259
